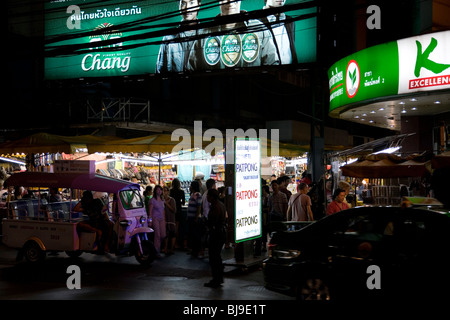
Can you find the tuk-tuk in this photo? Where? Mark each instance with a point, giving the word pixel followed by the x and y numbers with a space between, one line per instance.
pixel 35 226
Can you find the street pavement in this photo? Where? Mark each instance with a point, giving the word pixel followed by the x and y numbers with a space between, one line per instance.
pixel 171 286
pixel 107 277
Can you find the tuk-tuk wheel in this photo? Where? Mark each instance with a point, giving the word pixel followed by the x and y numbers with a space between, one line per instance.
pixel 33 252
pixel 149 253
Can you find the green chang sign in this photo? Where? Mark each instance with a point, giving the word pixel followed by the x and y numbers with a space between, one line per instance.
pixel 90 38
pixel 70 24
pixel 405 66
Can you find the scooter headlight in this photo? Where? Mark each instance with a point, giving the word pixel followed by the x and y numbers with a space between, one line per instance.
pixel 125 223
pixel 143 219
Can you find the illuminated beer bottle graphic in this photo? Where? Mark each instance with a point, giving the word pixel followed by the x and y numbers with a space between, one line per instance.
pixel 211 51
pixel 231 50
pixel 250 47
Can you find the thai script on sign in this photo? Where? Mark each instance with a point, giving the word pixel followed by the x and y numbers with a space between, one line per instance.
pixel 337 93
pixel 335 78
pixel 106 13
pixel 372 81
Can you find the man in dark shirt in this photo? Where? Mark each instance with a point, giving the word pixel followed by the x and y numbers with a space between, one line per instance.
pixel 278 203
pixel 217 231
pixel 283 182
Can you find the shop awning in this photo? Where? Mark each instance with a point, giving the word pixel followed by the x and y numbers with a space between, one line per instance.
pixel 387 166
pixel 441 161
pixel 370 147
pixel 154 143
pixel 284 149
pixel 164 143
pixel 44 142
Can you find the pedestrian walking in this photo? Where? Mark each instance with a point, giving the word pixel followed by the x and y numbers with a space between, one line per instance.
pixel 147 196
pixel 217 233
pixel 180 220
pixel 194 218
pixel 170 209
pixel 156 216
pixel 278 203
pixel 299 205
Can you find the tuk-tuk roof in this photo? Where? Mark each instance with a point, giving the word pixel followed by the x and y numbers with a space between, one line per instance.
pixel 82 181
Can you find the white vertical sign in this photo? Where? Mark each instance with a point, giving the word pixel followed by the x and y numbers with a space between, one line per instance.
pixel 248 189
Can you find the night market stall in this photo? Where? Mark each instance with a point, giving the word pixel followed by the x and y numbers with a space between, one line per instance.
pixel 383 179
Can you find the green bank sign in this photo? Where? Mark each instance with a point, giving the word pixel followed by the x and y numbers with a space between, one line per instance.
pixel 91 38
pixel 400 67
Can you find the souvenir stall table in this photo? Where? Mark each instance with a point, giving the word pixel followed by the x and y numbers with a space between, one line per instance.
pixel 383 179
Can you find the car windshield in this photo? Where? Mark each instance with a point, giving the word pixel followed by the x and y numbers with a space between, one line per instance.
pixel 131 199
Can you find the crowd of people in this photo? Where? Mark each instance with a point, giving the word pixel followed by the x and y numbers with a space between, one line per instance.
pixel 280 204
pixel 205 224
pixel 283 205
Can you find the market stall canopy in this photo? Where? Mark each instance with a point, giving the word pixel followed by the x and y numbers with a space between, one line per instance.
pixel 44 142
pixel 83 181
pixel 441 161
pixel 284 149
pixel 154 143
pixel 164 143
pixel 370 147
pixel 388 166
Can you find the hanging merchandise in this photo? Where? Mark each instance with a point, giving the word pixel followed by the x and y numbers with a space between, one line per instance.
pixel 278 166
pixel 218 172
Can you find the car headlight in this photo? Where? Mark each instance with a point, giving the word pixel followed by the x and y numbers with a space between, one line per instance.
pixel 142 219
pixel 285 254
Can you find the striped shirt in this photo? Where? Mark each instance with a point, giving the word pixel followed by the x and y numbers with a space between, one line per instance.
pixel 195 201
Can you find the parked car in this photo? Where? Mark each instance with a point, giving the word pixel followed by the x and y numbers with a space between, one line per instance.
pixel 331 259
